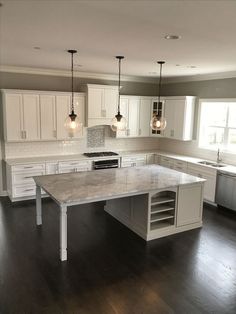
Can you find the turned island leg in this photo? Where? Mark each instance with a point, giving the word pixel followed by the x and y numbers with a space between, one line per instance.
pixel 63 232
pixel 38 206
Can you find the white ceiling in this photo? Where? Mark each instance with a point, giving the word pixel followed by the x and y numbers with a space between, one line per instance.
pixel 100 30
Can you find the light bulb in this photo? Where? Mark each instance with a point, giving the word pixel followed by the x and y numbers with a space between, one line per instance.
pixel 72 124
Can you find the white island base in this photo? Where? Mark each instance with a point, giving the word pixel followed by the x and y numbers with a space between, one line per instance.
pixel 161 213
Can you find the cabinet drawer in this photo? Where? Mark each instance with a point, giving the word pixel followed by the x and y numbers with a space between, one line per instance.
pixel 22 191
pixel 25 177
pixel 75 163
pixel 28 167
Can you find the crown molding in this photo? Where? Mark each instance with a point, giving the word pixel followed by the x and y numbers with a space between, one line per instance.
pixel 112 77
pixel 65 73
pixel 200 77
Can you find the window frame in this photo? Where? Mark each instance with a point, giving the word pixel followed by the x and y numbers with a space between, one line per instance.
pixel 225 147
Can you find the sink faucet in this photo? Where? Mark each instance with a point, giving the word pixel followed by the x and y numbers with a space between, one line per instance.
pixel 219 159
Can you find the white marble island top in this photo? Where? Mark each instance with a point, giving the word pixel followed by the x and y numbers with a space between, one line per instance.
pixel 85 187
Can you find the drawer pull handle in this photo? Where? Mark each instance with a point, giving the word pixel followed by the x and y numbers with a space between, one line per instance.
pixel 28 167
pixel 28 190
pixel 27 177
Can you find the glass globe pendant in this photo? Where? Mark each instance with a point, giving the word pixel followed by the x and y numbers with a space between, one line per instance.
pixel 119 123
pixel 72 123
pixel 158 121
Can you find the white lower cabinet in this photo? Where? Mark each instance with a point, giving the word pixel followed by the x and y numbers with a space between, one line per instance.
pixel 51 167
pixel 20 182
pixel 210 176
pixel 133 161
pixel 189 209
pixel 160 213
pixel 74 166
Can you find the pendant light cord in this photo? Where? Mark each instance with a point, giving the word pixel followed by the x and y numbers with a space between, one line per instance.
pixel 119 86
pixel 72 82
pixel 159 89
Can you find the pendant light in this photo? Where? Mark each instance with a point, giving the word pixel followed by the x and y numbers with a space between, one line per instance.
pixel 119 123
pixel 72 123
pixel 158 122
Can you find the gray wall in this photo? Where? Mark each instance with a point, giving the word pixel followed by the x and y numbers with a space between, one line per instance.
pixel 60 83
pixel 223 88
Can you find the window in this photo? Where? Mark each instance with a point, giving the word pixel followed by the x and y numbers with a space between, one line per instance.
pixel 218 124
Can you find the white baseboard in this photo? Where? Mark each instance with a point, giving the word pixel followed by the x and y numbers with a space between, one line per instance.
pixel 3 193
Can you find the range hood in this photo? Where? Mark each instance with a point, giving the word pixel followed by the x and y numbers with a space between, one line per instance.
pixel 102 103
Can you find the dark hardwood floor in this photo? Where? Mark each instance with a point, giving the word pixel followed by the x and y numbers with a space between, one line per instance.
pixel 111 270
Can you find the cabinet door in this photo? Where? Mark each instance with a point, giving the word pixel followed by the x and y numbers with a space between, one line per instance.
pixel 144 117
pixel 179 113
pixel 79 110
pixel 13 117
pixel 31 117
pixel 48 117
pixel 111 100
pixel 125 113
pixel 189 205
pixel 133 123
pixel 170 118
pixel 62 112
pixel 96 108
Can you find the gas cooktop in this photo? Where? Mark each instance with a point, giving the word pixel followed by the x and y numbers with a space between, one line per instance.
pixel 100 154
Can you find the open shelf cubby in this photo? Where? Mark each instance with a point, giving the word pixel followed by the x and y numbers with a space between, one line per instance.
pixel 162 213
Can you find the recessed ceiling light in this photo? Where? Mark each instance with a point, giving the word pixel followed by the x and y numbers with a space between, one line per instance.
pixel 37 48
pixel 172 37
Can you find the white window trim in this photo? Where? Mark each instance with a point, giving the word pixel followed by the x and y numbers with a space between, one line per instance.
pixel 202 100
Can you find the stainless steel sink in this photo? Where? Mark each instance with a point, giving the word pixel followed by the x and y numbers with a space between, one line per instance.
pixel 212 164
pixel 218 165
pixel 208 163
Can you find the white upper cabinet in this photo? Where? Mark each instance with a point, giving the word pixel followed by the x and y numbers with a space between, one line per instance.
pixel 48 117
pixel 137 111
pixel 31 119
pixel 102 103
pixel 13 126
pixel 39 115
pixel 179 114
pixel 133 117
pixel 145 116
pixel 159 109
pixel 21 117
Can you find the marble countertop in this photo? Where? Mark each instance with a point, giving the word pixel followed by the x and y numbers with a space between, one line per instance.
pixel 91 186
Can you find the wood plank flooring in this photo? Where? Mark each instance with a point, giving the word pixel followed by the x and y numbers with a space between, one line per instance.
pixel 111 270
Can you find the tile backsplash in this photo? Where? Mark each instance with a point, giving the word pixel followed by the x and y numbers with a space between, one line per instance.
pixel 95 139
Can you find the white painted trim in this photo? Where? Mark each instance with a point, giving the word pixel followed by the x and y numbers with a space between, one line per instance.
pixel 3 193
pixel 112 77
pixel 65 73
pixel 200 77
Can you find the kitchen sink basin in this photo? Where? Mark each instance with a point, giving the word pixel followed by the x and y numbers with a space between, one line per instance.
pixel 212 164
pixel 208 163
pixel 218 165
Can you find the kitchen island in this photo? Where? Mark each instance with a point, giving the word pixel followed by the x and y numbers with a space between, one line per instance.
pixel 151 200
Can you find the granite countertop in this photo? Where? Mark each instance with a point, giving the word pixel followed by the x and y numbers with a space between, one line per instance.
pixel 84 187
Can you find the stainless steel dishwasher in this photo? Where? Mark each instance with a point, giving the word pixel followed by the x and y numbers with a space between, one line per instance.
pixel 226 190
